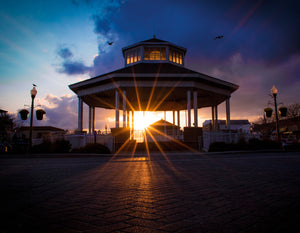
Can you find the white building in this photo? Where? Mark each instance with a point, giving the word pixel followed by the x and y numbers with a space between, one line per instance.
pixel 242 126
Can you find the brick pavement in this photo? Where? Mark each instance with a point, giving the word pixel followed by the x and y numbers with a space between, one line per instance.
pixel 177 193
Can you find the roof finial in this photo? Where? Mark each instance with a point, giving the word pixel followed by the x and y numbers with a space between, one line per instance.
pixel 154 36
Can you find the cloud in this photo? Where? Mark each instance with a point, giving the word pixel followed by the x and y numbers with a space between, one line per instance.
pixel 102 25
pixel 74 68
pixel 68 66
pixel 65 53
pixel 255 79
pixel 252 28
pixel 62 112
pixel 260 46
pixel 102 15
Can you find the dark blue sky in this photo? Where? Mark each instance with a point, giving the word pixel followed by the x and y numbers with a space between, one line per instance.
pixel 56 43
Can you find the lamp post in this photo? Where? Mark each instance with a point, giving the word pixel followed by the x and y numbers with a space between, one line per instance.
pixel 33 93
pixel 274 92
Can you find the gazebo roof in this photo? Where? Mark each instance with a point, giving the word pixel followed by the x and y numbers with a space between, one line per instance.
pixel 144 70
pixel 153 86
pixel 153 41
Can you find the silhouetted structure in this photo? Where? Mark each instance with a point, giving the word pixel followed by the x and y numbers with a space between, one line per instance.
pixel 162 131
pixel 154 79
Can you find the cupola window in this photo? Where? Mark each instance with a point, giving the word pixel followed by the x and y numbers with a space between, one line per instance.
pixel 133 56
pixel 154 53
pixel 176 57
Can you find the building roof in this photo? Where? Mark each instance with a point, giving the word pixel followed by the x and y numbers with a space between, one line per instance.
pixel 161 81
pixel 162 123
pixel 156 69
pixel 41 128
pixel 153 41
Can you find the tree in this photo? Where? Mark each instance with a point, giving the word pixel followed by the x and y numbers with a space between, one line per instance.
pixel 6 122
pixel 6 126
pixel 265 126
pixel 293 111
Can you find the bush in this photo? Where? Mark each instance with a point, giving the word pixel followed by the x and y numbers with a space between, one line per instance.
pixel 61 146
pixel 253 144
pixel 218 146
pixel 93 148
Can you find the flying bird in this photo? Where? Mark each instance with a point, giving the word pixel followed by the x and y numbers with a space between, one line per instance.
pixel 110 43
pixel 219 37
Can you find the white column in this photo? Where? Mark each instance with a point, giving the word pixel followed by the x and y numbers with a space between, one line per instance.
pixel 213 117
pixel 124 109
pixel 216 117
pixel 195 109
pixel 228 113
pixel 93 119
pixel 165 126
pixel 117 109
pixel 132 124
pixel 173 131
pixel 228 117
pixel 90 120
pixel 80 113
pixel 173 117
pixel 127 119
pixel 189 107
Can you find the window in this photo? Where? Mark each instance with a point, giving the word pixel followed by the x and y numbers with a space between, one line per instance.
pixel 176 57
pixel 154 53
pixel 133 56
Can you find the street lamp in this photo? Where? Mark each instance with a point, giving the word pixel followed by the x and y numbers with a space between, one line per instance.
pixel 39 115
pixel 33 93
pixel 274 92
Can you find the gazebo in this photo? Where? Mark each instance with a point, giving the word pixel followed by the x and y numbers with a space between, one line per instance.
pixel 154 79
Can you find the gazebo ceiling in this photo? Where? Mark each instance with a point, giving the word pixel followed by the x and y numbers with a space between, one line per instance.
pixel 153 87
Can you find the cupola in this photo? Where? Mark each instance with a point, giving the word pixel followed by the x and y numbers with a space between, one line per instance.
pixel 153 51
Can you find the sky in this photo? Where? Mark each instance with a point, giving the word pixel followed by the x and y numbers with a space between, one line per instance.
pixel 56 43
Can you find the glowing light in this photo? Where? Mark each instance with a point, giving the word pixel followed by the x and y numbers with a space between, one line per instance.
pixel 143 119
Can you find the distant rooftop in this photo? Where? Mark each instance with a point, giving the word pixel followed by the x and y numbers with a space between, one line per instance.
pixel 41 128
pixel 162 122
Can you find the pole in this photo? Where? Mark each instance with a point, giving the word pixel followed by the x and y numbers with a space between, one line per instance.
pixel 276 115
pixel 31 120
pixel 117 109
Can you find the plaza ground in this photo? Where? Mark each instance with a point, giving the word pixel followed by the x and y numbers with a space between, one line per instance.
pixel 241 192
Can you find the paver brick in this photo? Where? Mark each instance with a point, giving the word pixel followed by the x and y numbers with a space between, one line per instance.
pixel 186 193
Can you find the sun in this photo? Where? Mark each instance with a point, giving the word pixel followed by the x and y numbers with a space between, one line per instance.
pixel 143 119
